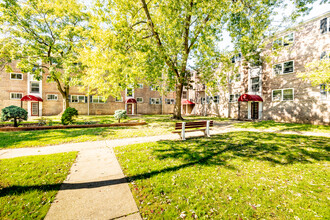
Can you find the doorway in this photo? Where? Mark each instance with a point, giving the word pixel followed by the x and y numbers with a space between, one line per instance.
pixel 34 109
pixel 255 110
pixel 129 109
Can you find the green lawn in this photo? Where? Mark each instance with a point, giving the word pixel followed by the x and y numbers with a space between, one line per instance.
pixel 238 175
pixel 28 185
pixel 279 126
pixel 157 125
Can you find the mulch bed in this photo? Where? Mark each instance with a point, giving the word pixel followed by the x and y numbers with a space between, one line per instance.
pixel 71 126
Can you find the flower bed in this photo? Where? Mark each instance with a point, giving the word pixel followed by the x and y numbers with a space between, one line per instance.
pixel 70 126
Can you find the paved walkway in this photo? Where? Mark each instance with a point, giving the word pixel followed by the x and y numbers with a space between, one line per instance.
pixel 96 187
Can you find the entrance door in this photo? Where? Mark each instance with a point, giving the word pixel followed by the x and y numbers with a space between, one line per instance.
pixel 255 110
pixel 34 109
pixel 129 109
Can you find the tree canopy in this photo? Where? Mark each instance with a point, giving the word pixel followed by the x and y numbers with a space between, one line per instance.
pixel 43 36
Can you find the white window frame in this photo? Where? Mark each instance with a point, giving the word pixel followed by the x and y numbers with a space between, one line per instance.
pixel 170 101
pixel 282 73
pixel 282 40
pixel 78 98
pixel 154 88
pixel 328 25
pixel 154 101
pixel 32 86
pixel 139 98
pixel 132 96
pixel 119 100
pixel 327 93
pixel 55 95
pixel 216 100
pixel 236 97
pixel 99 100
pixel 281 100
pixel 140 85
pixel 16 74
pixel 16 94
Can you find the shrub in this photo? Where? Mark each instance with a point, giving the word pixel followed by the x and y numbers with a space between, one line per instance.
pixel 14 112
pixel 67 117
pixel 119 114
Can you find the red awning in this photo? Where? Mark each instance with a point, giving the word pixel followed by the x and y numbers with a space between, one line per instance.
pixel 249 98
pixel 31 98
pixel 131 100
pixel 187 102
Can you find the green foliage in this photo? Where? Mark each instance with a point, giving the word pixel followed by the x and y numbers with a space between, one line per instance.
pixel 15 113
pixel 120 114
pixel 28 185
pixel 43 36
pixel 67 116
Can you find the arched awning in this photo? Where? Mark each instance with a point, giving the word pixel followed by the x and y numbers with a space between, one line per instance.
pixel 30 98
pixel 187 102
pixel 250 98
pixel 131 100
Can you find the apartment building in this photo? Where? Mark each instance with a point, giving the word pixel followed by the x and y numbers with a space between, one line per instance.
pixel 42 98
pixel 273 91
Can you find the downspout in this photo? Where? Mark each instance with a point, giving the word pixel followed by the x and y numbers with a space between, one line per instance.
pixel 88 99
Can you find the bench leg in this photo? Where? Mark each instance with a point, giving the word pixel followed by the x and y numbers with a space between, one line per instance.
pixel 183 133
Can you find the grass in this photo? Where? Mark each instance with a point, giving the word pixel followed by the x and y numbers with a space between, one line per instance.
pixel 157 125
pixel 279 126
pixel 28 185
pixel 238 175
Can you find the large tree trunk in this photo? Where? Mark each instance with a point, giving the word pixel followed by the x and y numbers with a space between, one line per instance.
pixel 15 122
pixel 65 102
pixel 177 107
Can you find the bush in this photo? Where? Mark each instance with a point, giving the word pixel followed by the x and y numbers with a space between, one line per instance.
pixel 67 117
pixel 119 114
pixel 14 112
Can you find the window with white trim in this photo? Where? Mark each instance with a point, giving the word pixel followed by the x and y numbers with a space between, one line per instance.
pixel 283 95
pixel 154 88
pixel 169 101
pixel 16 76
pixel 129 92
pixel 35 87
pixel 284 41
pixel 324 93
pixel 255 85
pixel 119 99
pixel 78 98
pixel 203 100
pixel 52 97
pixel 216 99
pixel 16 96
pixel 325 25
pixel 283 68
pixel 155 101
pixel 98 99
pixel 140 85
pixel 234 98
pixel 184 94
pixel 324 55
pixel 139 99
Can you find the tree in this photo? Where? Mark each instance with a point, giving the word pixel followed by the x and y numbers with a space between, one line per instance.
pixel 317 72
pixel 43 36
pixel 13 112
pixel 161 41
pixel 68 114
pixel 120 114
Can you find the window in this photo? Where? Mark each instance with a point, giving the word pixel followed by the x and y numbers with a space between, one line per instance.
pixel 184 94
pixel 283 95
pixel 140 85
pixel 169 101
pixel 16 76
pixel 324 25
pixel 216 99
pixel 236 58
pixel 52 97
pixel 255 84
pixel 98 99
pixel 285 40
pixel 139 99
pixel 155 101
pixel 154 88
pixel 234 98
pixel 129 92
pixel 16 96
pixel 119 99
pixel 34 87
pixel 203 100
pixel 324 93
pixel 283 68
pixel 324 55
pixel 78 99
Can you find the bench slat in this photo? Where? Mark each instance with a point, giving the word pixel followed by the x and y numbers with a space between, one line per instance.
pixel 193 125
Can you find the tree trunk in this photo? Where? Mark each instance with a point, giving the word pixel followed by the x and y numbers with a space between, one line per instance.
pixel 177 107
pixel 65 102
pixel 15 122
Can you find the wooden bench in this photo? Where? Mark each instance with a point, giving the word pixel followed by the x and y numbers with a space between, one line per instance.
pixel 182 127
